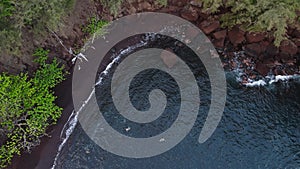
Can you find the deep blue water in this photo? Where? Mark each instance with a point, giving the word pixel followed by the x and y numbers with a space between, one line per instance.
pixel 260 128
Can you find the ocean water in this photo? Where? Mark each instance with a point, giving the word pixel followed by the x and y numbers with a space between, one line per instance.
pixel 259 129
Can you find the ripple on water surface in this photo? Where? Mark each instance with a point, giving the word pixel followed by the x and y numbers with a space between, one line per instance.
pixel 260 128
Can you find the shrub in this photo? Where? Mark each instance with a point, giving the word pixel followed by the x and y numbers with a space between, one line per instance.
pixel 112 5
pixel 115 5
pixel 162 2
pixel 34 15
pixel 27 107
pixel 95 26
pixel 6 8
pixel 258 15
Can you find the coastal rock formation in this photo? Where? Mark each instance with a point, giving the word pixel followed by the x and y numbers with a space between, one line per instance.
pixel 236 36
pixel 209 26
pixel 289 47
pixel 189 14
pixel 257 46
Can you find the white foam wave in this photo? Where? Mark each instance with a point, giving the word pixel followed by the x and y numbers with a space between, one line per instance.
pixel 72 122
pixel 256 83
pixel 269 80
pixel 116 59
pixel 281 78
pixel 73 119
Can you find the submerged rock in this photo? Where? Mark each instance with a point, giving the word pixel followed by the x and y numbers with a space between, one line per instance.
pixel 168 57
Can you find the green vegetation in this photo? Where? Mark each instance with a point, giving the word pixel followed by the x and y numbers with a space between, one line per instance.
pixel 258 15
pixel 162 2
pixel 253 15
pixel 6 8
pixel 112 5
pixel 27 106
pixel 95 26
pixel 33 15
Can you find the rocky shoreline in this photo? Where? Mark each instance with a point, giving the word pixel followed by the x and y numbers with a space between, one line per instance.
pixel 264 57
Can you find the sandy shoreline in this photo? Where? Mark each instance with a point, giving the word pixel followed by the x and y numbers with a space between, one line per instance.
pixel 42 157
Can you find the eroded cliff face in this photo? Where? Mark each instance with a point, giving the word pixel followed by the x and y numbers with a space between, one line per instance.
pixel 257 46
pixel 69 33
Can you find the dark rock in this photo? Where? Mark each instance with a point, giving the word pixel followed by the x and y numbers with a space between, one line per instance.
pixel 289 47
pixel 189 14
pixel 179 3
pixel 277 71
pixel 253 49
pixel 262 69
pixel 252 37
pixel 270 62
pixel 271 50
pixel 131 1
pixel 169 9
pixel 296 33
pixel 284 56
pixel 297 42
pixel 202 17
pixel 220 34
pixel 236 36
pixel 209 26
pixel 219 43
pixel 297 12
pixel 290 30
pixel 264 45
pixel 290 62
pixel 270 39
